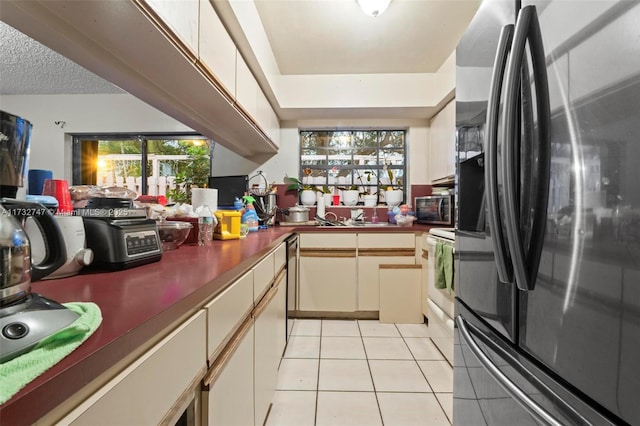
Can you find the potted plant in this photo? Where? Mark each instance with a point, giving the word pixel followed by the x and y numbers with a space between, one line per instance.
pixel 327 194
pixel 393 193
pixel 350 195
pixel 306 192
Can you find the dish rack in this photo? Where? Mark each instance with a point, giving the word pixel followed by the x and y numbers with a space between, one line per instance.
pixel 266 213
pixel 257 190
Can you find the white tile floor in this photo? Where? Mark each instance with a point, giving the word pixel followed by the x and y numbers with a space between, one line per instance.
pixel 349 373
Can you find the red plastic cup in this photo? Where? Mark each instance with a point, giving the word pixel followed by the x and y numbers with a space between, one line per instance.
pixel 336 200
pixel 59 188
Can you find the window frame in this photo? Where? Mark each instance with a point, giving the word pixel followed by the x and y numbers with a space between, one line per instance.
pixel 328 168
pixel 79 138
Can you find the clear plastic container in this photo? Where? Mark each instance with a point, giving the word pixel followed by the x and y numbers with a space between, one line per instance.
pixel 205 225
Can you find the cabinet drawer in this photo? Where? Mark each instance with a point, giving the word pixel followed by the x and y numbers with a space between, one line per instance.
pixel 387 240
pixel 229 400
pixel 328 240
pixel 227 311
pixel 145 391
pixel 263 274
pixel 279 258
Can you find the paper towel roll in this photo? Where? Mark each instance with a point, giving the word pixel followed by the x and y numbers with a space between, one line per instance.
pixel 320 206
pixel 202 196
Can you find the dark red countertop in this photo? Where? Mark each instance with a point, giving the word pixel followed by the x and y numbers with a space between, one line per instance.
pixel 139 303
pixel 136 305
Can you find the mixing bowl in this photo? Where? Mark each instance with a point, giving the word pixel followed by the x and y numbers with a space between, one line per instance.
pixel 173 233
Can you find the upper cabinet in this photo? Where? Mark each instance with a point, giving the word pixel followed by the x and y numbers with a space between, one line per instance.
pixel 246 88
pixel 182 18
pixel 442 146
pixel 217 51
pixel 174 55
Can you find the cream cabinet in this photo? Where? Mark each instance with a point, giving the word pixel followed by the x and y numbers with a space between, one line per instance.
pixel 242 379
pixel 400 293
pixel 182 18
pixel 147 391
pixel 328 272
pixel 217 50
pixel 226 312
pixel 267 353
pixel 263 274
pixel 229 400
pixel 442 143
pixel 368 276
pixel 280 302
pixel 375 249
pixel 246 88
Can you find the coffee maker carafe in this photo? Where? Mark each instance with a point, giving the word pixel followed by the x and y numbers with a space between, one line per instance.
pixel 15 136
pixel 26 318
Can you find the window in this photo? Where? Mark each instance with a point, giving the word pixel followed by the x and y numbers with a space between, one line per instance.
pixel 369 160
pixel 169 162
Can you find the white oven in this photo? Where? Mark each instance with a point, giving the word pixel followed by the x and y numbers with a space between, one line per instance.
pixel 440 303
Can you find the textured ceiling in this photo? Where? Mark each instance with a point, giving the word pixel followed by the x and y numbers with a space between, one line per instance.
pixel 28 68
pixel 336 37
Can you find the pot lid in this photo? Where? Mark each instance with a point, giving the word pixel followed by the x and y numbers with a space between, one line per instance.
pixel 298 209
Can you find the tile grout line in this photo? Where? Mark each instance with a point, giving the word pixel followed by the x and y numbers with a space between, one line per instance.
pixel 315 415
pixel 433 392
pixel 373 383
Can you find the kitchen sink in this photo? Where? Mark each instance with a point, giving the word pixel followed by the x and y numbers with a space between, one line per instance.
pixel 359 225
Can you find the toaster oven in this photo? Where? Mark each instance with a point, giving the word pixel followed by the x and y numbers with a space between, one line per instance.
pixel 434 209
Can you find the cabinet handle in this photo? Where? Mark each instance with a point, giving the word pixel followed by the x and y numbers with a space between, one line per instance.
pixel 227 352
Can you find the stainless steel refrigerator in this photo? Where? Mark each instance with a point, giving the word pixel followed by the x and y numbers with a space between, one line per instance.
pixel 548 228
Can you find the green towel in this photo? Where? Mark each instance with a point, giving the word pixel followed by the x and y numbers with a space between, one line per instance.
pixel 444 266
pixel 17 372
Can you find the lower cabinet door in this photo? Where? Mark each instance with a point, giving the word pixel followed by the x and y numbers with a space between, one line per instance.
pixel 229 401
pixel 280 301
pixel 328 284
pixel 266 359
pixel 368 281
pixel 145 392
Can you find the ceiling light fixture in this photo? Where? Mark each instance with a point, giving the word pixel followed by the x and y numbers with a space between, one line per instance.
pixel 373 8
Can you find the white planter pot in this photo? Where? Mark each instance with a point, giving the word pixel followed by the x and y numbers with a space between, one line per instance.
pixel 370 200
pixel 327 199
pixel 308 197
pixel 393 197
pixel 350 197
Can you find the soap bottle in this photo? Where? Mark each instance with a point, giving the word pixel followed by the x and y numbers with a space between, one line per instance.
pixel 250 218
pixel 238 204
pixel 374 217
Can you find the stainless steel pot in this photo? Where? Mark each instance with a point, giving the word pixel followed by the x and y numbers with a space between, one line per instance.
pixel 297 214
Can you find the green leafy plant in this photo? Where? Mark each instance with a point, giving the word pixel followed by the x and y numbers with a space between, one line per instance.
pixel 297 185
pixel 392 186
pixel 326 190
pixel 194 175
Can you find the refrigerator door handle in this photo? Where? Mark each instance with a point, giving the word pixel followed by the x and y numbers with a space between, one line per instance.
pixel 491 155
pixel 509 387
pixel 525 267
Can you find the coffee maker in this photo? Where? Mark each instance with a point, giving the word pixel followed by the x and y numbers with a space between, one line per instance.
pixel 15 137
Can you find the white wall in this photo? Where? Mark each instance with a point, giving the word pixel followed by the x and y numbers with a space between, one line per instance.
pixel 51 143
pixel 122 113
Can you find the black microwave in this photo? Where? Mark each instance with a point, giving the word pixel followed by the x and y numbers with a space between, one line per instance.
pixel 434 209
